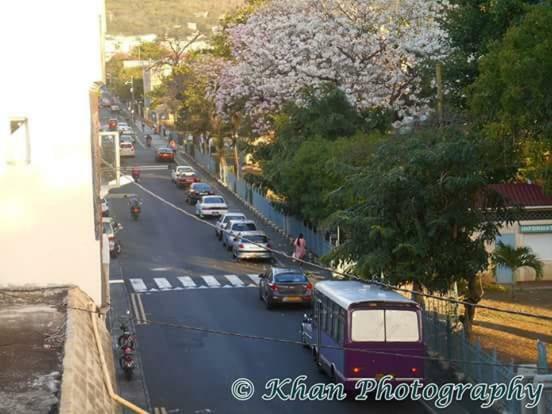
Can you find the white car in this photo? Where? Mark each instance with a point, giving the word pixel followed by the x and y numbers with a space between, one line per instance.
pixel 123 127
pixel 225 219
pixel 126 149
pixel 233 229
pixel 181 171
pixel 252 245
pixel 212 206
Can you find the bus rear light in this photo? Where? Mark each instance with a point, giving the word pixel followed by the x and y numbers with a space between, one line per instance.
pixel 356 370
pixel 414 370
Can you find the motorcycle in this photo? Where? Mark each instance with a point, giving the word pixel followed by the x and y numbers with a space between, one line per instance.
pixel 126 339
pixel 135 211
pixel 126 361
pixel 114 247
pixel 135 175
pixel 148 141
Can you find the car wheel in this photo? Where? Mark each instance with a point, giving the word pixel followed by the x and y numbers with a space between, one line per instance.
pixel 268 303
pixel 223 243
pixel 229 247
pixel 261 294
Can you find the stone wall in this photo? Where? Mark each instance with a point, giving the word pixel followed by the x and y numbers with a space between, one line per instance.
pixel 83 388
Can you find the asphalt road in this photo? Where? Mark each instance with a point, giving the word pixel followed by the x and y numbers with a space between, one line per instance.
pixel 190 371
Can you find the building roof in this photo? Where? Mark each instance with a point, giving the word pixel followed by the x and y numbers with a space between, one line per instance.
pixel 348 292
pixel 525 195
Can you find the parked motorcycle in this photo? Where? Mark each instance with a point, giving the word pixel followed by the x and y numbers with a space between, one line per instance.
pixel 126 361
pixel 126 339
pixel 135 174
pixel 114 247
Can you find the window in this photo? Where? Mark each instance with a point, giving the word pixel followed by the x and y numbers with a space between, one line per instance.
pixel 341 326
pixel 18 148
pixel 385 325
pixel 368 326
pixel 401 326
pixel 291 278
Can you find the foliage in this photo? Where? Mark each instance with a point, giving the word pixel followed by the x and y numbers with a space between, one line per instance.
pixel 512 97
pixel 419 211
pixel 474 26
pixel 121 79
pixel 149 51
pixel 133 17
pixel 514 258
pixel 368 50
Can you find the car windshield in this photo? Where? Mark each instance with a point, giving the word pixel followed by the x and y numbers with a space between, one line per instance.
pixel 184 169
pixel 257 238
pixel 201 187
pixel 291 278
pixel 244 227
pixel 214 200
pixel 165 150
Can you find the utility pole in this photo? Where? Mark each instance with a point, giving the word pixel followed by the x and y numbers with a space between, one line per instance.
pixel 132 97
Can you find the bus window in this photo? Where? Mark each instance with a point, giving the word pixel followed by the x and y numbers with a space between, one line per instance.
pixel 401 326
pixel 368 326
pixel 335 325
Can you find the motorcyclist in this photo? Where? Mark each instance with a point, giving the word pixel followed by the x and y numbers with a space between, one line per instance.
pixel 133 201
pixel 172 144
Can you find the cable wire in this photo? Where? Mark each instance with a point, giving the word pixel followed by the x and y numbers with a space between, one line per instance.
pixel 348 275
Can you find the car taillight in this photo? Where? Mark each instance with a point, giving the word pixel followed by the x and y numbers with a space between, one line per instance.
pixel 273 286
pixel 309 286
pixel 241 246
pixel 111 238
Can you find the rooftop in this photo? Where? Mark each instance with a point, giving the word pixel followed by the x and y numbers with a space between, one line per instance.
pixel 522 194
pixel 32 332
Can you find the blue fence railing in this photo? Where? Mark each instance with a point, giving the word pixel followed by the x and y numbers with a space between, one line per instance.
pixel 316 241
pixel 478 365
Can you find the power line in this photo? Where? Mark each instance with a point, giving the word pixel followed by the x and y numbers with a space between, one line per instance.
pixel 294 342
pixel 349 275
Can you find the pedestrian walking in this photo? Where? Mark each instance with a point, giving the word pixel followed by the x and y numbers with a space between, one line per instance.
pixel 299 248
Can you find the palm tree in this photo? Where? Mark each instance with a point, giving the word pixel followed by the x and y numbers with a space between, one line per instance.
pixel 514 258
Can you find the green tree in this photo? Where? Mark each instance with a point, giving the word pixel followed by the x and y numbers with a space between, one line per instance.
pixel 512 97
pixel 420 214
pixel 149 51
pixel 514 258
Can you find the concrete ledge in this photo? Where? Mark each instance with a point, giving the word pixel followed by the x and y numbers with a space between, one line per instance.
pixel 83 388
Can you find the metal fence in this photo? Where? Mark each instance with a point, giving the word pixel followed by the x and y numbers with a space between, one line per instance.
pixel 481 366
pixel 440 317
pixel 316 241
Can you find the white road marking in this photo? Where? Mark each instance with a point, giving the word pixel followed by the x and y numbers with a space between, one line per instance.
pixel 211 281
pixel 116 282
pixel 163 283
pixel 141 308
pixel 187 281
pixel 138 285
pixel 236 281
pixel 255 278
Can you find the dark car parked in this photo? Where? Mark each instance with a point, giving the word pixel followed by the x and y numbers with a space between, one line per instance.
pixel 279 285
pixel 196 191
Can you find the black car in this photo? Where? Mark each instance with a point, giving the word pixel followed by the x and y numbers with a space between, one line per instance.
pixel 279 285
pixel 196 191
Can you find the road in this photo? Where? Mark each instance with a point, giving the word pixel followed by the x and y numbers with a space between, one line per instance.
pixel 177 272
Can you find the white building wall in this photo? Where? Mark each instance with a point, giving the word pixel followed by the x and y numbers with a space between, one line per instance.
pixel 51 56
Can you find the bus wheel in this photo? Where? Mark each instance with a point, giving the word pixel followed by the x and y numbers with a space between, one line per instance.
pixel 332 375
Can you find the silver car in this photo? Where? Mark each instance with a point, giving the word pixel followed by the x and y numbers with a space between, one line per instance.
pixel 252 245
pixel 225 219
pixel 230 233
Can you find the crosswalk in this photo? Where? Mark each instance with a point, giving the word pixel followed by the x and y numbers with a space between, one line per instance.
pixel 171 283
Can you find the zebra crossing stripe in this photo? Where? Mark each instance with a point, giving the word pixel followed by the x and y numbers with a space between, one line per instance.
pixel 211 281
pixel 162 283
pixel 187 281
pixel 236 281
pixel 138 285
pixel 254 277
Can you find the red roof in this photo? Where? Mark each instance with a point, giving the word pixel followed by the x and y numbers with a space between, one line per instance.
pixel 525 195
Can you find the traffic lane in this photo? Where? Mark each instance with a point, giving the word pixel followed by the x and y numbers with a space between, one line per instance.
pixel 164 240
pixel 193 370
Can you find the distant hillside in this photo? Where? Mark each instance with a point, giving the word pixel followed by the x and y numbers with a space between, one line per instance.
pixel 134 17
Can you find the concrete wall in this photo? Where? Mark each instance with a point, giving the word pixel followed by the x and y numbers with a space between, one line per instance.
pixel 51 58
pixel 83 388
pixel 522 240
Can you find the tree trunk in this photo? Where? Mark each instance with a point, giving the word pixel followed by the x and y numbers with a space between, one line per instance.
pixel 475 293
pixel 418 287
pixel 236 158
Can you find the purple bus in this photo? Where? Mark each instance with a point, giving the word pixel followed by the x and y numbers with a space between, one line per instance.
pixel 350 315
